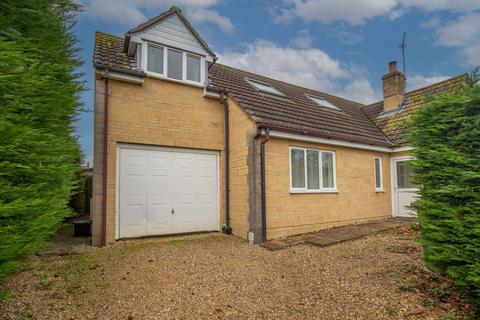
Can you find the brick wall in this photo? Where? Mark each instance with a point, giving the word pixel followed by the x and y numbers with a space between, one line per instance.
pixel 158 113
pixel 356 200
pixel 242 132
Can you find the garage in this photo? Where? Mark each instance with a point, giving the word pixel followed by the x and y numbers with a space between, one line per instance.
pixel 166 191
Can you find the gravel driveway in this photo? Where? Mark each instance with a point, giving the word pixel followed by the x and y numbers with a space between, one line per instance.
pixel 213 276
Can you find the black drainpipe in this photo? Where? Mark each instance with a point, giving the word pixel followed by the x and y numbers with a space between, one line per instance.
pixel 227 229
pixel 265 139
pixel 105 159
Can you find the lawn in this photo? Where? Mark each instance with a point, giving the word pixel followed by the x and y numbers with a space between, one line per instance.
pixel 216 276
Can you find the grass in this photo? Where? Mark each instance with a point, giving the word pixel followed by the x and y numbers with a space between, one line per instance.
pixel 5 295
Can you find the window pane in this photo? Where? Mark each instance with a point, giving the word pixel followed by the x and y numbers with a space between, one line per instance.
pixel 174 64
pixel 155 59
pixel 298 168
pixel 378 181
pixel 313 179
pixel 327 170
pixel 404 175
pixel 193 68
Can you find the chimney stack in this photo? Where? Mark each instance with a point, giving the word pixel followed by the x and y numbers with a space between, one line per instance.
pixel 393 88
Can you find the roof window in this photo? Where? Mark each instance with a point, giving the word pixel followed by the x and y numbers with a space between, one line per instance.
pixel 264 87
pixel 323 103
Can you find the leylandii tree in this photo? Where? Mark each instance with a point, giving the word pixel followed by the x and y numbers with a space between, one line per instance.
pixel 39 156
pixel 446 134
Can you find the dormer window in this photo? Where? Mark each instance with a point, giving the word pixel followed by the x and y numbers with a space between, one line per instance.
pixel 323 102
pixel 264 87
pixel 164 62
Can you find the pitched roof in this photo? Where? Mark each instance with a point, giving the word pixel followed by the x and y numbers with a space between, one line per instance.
pixel 108 53
pixel 296 112
pixel 162 16
pixel 293 113
pixel 392 123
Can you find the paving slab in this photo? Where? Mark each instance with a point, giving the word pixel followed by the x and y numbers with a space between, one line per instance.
pixel 336 235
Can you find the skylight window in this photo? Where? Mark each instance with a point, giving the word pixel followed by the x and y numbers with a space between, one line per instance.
pixel 265 87
pixel 323 103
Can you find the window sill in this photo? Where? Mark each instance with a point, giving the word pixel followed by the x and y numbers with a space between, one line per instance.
pixel 313 192
pixel 184 82
pixel 380 191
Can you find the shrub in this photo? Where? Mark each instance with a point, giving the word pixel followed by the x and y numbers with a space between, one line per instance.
pixel 39 156
pixel 446 134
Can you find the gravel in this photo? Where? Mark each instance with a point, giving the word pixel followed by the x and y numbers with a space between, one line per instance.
pixel 214 276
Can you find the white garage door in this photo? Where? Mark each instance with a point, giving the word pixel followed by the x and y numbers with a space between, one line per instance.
pixel 167 191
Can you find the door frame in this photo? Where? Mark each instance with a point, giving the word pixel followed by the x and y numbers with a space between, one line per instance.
pixel 393 174
pixel 159 148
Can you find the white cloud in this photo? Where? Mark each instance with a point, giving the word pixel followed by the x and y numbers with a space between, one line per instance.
pixel 311 68
pixel 419 81
pixel 303 40
pixel 360 90
pixel 205 15
pixel 345 36
pixel 464 34
pixel 358 11
pixel 131 12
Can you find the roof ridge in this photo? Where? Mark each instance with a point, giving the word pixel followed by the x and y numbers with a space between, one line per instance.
pixel 437 83
pixel 291 84
pixel 424 87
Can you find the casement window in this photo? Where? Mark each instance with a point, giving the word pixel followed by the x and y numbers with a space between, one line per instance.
pixel 174 64
pixel 193 68
pixel 378 174
pixel 312 170
pixel 155 59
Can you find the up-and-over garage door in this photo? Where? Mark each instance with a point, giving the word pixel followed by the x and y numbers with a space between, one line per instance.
pixel 167 191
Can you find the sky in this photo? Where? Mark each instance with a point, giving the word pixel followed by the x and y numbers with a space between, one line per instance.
pixel 341 47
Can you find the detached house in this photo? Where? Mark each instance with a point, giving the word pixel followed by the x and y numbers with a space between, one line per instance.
pixel 185 144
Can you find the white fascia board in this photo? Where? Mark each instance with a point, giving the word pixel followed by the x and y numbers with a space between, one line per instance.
pixel 402 149
pixel 300 137
pixel 114 75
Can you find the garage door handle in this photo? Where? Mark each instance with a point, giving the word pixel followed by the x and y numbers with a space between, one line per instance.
pixel 173 211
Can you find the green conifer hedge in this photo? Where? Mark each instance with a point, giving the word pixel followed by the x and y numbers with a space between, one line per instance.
pixel 446 133
pixel 39 101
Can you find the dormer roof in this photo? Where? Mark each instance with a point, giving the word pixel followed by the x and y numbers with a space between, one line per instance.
pixel 158 19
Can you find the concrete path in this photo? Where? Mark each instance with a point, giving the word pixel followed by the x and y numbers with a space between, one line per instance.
pixel 336 235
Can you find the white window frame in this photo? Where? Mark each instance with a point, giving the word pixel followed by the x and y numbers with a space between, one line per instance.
pixel 320 171
pixel 276 93
pixel 164 75
pixel 378 189
pixel 328 105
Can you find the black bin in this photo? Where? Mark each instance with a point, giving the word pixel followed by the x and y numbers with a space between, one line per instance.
pixel 81 228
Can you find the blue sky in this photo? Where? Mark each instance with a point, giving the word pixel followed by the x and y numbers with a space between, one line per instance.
pixel 340 47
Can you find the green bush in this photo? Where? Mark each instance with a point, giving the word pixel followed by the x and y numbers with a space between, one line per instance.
pixel 446 133
pixel 39 155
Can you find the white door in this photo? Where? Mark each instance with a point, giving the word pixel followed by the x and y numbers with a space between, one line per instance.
pixel 167 191
pixel 405 191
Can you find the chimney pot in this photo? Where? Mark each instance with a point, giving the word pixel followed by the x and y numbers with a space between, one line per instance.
pixel 392 66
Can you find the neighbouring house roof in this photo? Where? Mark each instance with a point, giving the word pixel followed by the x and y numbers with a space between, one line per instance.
pixel 166 14
pixel 392 123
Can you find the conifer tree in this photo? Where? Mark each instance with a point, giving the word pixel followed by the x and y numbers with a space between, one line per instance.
pixel 39 102
pixel 446 134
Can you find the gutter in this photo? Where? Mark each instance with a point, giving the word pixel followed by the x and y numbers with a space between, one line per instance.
pixel 265 138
